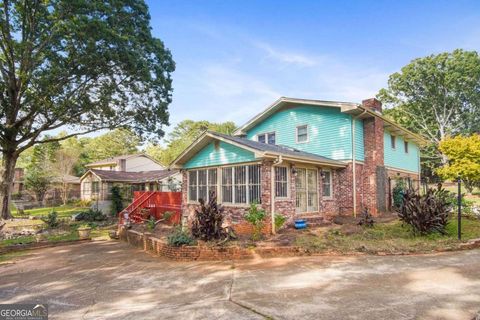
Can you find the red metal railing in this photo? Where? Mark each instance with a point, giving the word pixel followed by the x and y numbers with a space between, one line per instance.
pixel 148 204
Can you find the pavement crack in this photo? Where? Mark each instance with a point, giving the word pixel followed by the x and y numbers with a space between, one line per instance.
pixel 230 299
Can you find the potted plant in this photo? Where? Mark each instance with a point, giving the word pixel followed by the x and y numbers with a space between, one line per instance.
pixel 84 231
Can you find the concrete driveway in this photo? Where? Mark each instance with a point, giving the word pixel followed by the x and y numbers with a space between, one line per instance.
pixel 110 280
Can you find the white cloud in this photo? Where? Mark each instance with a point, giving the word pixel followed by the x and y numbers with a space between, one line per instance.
pixel 286 56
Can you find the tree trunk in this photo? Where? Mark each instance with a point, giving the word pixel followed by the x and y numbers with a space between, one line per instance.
pixel 9 160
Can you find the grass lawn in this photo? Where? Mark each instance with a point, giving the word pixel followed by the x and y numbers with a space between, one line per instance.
pixel 62 211
pixel 475 196
pixel 389 237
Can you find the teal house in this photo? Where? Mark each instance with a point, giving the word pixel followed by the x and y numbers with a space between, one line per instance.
pixel 302 158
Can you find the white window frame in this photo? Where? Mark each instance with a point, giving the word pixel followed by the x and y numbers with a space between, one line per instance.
pixel 330 197
pixel 405 146
pixel 220 179
pixel 266 136
pixel 296 134
pixel 287 181
pixel 197 184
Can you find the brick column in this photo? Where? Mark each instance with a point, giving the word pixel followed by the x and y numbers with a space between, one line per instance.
pixel 374 173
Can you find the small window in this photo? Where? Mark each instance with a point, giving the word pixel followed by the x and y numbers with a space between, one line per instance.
pixel 281 182
pixel 405 144
pixel 192 185
pixel 95 187
pixel 302 134
pixel 393 141
pixel 327 184
pixel 266 138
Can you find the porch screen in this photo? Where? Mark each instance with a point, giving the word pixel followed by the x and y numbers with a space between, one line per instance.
pixel 201 183
pixel 241 184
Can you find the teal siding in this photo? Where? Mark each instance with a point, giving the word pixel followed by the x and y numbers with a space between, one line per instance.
pixel 224 154
pixel 398 158
pixel 329 131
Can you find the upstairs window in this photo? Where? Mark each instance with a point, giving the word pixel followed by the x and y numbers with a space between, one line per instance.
pixel 268 138
pixel 405 145
pixel 393 141
pixel 302 134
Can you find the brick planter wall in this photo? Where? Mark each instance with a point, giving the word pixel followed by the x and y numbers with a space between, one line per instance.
pixel 156 246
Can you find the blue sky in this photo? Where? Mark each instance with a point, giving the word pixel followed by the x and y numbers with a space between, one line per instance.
pixel 234 58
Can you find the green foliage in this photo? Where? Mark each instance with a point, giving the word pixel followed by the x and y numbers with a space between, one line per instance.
pixel 207 223
pixel 463 155
pixel 150 223
pixel 256 217
pixel 38 181
pixel 436 96
pixel 366 219
pixel 114 143
pixel 182 136
pixel 90 215
pixel 51 219
pixel 88 65
pixel 117 201
pixel 427 213
pixel 180 238
pixel 397 193
pixel 280 220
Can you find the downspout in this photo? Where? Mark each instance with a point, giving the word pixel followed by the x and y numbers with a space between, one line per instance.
pixel 272 191
pixel 354 164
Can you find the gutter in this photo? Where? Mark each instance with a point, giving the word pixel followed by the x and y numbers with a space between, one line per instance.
pixel 272 191
pixel 354 164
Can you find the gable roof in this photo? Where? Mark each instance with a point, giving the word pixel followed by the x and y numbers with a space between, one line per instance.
pixel 114 160
pixel 261 150
pixel 134 177
pixel 352 108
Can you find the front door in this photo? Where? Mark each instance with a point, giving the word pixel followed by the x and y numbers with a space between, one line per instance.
pixel 307 190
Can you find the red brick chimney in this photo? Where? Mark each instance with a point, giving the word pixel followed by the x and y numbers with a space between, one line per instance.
pixel 373 104
pixel 374 176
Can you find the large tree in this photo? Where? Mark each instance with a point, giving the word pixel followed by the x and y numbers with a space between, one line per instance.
pixel 84 65
pixel 436 96
pixel 182 136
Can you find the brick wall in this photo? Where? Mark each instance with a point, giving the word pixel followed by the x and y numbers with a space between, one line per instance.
pixel 154 245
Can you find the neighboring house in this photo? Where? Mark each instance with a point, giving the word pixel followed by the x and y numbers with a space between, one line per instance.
pixel 64 188
pixel 18 181
pixel 136 172
pixel 302 157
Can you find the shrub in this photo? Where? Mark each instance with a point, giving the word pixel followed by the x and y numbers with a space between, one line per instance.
pixel 426 213
pixel 256 218
pixel 397 193
pixel 179 238
pixel 207 223
pixel 279 221
pixel 150 223
pixel 366 219
pixel 51 219
pixel 90 215
pixel 117 201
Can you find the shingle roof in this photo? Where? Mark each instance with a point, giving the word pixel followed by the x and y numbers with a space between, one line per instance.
pixel 138 177
pixel 277 149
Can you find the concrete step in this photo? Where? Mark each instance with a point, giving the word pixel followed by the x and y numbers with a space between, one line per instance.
pixel 313 220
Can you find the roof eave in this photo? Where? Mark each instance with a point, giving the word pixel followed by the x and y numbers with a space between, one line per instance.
pixel 285 100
